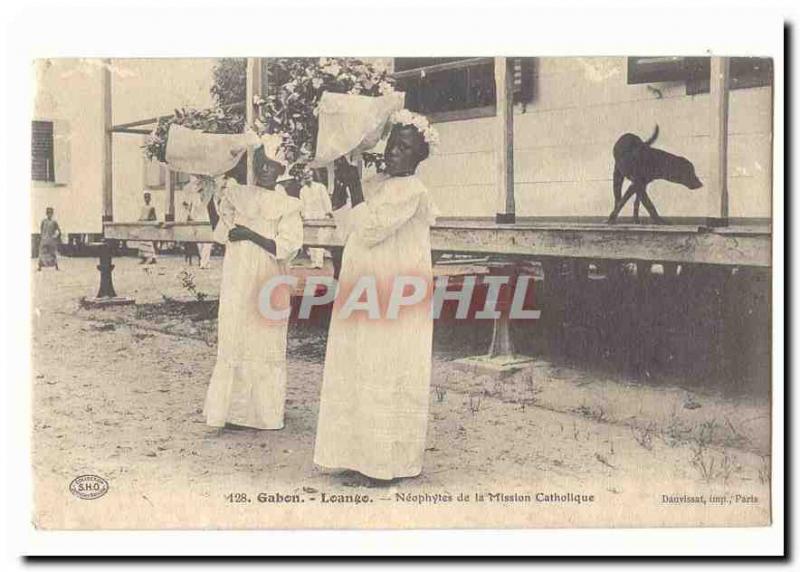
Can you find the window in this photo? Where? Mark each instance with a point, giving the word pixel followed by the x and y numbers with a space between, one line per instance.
pixel 42 152
pixel 696 72
pixel 156 173
pixel 459 93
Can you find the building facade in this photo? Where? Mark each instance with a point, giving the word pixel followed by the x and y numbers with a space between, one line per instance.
pixel 67 135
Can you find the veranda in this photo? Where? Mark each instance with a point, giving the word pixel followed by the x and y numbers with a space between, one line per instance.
pixel 567 249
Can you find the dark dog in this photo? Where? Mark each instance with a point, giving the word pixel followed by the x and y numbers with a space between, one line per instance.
pixel 638 162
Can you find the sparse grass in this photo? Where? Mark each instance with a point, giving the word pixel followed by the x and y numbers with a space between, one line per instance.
pixel 704 433
pixel 532 391
pixel 713 465
pixel 188 283
pixel 474 402
pixel 676 432
pixel 594 412
pixel 728 466
pixel 492 387
pixel 643 434
pixel 604 461
pixel 736 438
pixel 709 464
pixel 702 462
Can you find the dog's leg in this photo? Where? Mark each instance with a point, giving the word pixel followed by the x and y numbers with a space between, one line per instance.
pixel 636 202
pixel 651 208
pixel 621 203
pixel 618 179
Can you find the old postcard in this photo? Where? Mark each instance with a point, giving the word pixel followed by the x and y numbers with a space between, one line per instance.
pixel 402 292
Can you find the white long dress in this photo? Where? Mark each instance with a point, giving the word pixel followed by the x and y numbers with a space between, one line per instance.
pixel 375 391
pixel 248 385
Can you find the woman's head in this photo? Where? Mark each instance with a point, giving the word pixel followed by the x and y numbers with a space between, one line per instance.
pixel 405 149
pixel 266 170
pixel 49 212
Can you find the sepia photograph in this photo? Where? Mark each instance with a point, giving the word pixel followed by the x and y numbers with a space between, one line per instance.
pixel 401 292
pixel 432 279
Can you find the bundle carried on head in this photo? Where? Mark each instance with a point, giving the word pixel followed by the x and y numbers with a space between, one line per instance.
pixel 209 154
pixel 289 110
pixel 215 120
pixel 352 123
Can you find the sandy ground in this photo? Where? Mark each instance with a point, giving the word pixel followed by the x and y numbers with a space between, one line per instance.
pixel 118 393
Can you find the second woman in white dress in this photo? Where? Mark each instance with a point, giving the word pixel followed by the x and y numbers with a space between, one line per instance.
pixel 262 230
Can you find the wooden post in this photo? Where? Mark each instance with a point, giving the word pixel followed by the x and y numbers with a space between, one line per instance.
pixel 504 86
pixel 106 268
pixel 502 344
pixel 502 356
pixel 169 216
pixel 107 157
pixel 720 70
pixel 256 86
pixel 106 295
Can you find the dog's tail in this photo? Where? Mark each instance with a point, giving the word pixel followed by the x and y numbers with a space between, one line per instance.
pixel 653 137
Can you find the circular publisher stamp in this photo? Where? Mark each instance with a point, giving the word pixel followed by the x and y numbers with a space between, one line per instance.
pixel 88 487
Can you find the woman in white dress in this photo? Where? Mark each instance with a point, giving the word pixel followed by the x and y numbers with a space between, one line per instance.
pixel 376 385
pixel 262 230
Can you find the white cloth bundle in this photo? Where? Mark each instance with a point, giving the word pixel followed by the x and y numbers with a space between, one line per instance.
pixel 352 123
pixel 210 154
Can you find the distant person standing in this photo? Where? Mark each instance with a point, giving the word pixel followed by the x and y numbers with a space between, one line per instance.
pixel 316 205
pixel 197 211
pixel 50 234
pixel 147 248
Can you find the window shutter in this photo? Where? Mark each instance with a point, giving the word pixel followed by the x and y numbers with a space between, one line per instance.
pixel 42 158
pixel 524 72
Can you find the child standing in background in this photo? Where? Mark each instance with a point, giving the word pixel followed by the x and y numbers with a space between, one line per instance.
pixel 50 239
pixel 147 248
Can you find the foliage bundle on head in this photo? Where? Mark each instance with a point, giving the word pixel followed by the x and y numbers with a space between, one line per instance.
pixel 214 120
pixel 289 108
